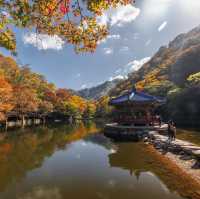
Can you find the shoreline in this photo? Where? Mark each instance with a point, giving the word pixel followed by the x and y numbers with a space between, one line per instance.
pixel 182 167
pixel 178 178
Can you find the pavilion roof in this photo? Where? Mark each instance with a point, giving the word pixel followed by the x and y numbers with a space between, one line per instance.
pixel 136 96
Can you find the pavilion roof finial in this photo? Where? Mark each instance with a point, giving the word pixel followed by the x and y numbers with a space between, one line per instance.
pixel 133 87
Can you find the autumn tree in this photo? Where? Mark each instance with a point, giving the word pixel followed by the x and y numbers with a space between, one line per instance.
pixel 102 107
pixel 9 68
pixel 78 102
pixel 44 108
pixel 25 101
pixel 89 111
pixel 62 97
pixel 5 97
pixel 75 21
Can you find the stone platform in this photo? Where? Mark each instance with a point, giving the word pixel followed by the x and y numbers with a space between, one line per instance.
pixel 130 133
pixel 177 146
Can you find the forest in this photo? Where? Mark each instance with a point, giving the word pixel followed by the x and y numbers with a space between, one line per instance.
pixel 24 93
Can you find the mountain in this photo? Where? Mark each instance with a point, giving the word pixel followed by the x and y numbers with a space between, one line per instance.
pixel 99 90
pixel 173 72
pixel 121 74
pixel 169 68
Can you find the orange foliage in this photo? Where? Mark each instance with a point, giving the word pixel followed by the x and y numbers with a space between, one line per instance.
pixel 78 102
pixel 5 97
pixel 25 99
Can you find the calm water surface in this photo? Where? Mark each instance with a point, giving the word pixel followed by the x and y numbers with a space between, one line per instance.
pixel 79 162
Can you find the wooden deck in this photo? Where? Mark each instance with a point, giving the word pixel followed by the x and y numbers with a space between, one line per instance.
pixel 177 146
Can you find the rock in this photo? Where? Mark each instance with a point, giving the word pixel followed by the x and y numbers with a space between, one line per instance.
pixel 186 157
pixel 196 165
pixel 181 153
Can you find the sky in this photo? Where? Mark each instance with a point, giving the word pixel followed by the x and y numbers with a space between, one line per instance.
pixel 136 33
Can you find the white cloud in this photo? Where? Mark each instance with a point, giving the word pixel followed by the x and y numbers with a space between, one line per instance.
pixel 119 77
pixel 148 42
pixel 134 65
pixel 43 41
pixel 83 86
pixel 118 71
pixel 119 16
pixel 122 73
pixel 124 49
pixel 162 26
pixel 108 51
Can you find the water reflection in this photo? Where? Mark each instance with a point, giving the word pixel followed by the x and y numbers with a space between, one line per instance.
pixel 24 150
pixel 141 161
pixel 189 135
pixel 43 193
pixel 60 162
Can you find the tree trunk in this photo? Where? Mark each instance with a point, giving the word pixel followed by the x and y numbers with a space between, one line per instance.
pixel 44 119
pixel 23 121
pixel 6 124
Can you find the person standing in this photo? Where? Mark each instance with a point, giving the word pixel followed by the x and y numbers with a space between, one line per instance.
pixel 171 131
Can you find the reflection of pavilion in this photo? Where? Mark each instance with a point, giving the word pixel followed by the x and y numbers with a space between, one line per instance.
pixel 135 162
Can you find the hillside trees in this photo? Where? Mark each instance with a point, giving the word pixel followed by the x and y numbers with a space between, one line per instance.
pixel 194 79
pixel 102 107
pixel 75 21
pixel 23 93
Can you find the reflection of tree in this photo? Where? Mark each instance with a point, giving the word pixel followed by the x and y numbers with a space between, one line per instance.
pixel 23 151
pixel 138 158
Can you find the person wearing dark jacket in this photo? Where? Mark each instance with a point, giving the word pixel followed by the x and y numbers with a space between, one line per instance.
pixel 171 131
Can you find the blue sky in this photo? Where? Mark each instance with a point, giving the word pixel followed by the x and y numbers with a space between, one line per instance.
pixel 136 34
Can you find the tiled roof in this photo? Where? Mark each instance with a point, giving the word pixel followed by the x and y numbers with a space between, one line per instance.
pixel 136 96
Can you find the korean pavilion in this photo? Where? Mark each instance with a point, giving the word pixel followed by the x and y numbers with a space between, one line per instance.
pixel 136 108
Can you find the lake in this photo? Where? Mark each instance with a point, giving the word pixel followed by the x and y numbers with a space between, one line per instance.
pixel 77 161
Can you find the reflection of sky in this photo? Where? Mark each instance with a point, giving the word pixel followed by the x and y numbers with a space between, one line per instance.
pixel 82 170
pixel 158 22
